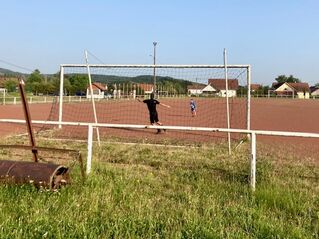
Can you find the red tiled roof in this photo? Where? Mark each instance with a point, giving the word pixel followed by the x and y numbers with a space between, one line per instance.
pixel 98 85
pixel 220 84
pixel 300 86
pixel 196 87
pixel 146 87
pixel 255 86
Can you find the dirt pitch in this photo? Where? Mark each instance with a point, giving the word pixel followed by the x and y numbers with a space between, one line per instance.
pixel 266 114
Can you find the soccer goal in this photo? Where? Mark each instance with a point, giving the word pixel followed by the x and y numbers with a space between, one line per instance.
pixel 118 92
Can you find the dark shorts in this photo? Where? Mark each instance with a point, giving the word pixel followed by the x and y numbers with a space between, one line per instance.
pixel 153 117
pixel 193 109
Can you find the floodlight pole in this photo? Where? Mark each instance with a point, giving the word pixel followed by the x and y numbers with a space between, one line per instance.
pixel 227 101
pixel 154 71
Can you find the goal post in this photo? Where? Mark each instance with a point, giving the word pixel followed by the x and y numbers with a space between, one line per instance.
pixel 128 82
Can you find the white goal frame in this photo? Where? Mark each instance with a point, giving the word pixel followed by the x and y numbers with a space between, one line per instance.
pixel 225 67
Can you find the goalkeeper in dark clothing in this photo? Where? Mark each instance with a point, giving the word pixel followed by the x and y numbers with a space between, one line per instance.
pixel 151 105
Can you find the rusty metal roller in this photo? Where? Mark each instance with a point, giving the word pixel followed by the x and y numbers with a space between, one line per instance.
pixel 44 175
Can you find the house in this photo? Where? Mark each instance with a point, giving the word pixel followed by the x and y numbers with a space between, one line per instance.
pixel 298 90
pixel 314 90
pixel 209 90
pixel 195 89
pixel 220 86
pixel 98 90
pixel 255 87
pixel 147 88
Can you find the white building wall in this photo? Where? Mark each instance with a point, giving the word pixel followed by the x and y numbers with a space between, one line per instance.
pixel 315 93
pixel 195 91
pixel 97 94
pixel 302 95
pixel 231 93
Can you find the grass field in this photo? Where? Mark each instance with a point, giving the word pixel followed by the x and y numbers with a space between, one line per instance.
pixel 138 191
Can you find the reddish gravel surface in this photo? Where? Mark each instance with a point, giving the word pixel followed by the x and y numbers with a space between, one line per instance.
pixel 266 114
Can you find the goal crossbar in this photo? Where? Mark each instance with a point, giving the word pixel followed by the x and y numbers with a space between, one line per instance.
pixel 154 66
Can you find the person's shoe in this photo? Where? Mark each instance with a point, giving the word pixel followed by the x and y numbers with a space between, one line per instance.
pixel 158 131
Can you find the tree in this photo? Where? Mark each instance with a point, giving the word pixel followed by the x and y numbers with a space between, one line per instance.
pixel 34 82
pixel 10 85
pixel 35 77
pixel 284 78
pixel 265 89
pixel 79 84
pixel 317 85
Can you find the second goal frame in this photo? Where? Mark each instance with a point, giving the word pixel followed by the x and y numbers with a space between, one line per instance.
pixel 247 69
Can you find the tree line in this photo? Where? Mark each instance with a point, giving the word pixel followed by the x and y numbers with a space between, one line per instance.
pixel 39 84
pixel 76 84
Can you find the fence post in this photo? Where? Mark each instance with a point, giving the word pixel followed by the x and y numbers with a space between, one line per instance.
pixel 4 98
pixel 253 162
pixel 90 147
pixel 14 100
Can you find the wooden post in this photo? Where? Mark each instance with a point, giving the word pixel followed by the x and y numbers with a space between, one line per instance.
pixel 27 116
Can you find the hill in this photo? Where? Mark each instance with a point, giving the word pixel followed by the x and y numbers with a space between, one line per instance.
pixel 7 72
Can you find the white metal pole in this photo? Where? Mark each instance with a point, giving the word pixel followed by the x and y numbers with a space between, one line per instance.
pixel 154 70
pixel 227 101
pixel 90 147
pixel 248 96
pixel 253 162
pixel 92 98
pixel 61 96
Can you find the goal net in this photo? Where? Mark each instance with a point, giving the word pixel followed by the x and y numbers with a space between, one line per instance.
pixel 119 92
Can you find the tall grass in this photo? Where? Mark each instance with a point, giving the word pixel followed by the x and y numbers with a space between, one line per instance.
pixel 160 192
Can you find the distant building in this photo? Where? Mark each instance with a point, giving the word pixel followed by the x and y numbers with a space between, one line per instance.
pixel 298 90
pixel 314 91
pixel 209 90
pixel 220 86
pixel 255 87
pixel 147 88
pixel 195 89
pixel 98 90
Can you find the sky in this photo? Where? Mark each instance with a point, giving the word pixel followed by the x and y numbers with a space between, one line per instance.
pixel 275 37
